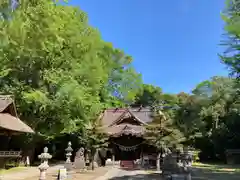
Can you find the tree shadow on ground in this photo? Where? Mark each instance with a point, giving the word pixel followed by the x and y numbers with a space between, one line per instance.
pixel 136 169
pixel 152 176
pixel 197 174
pixel 214 174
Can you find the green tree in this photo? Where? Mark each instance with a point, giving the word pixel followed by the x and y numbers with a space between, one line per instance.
pixel 123 82
pixel 231 17
pixel 162 132
pixel 217 108
pixel 149 95
pixel 93 137
pixel 60 71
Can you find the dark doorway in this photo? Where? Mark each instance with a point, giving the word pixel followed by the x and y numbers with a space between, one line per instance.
pixel 127 147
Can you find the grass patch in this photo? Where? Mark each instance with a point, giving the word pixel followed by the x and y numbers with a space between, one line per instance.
pixel 201 171
pixel 15 169
pixel 218 167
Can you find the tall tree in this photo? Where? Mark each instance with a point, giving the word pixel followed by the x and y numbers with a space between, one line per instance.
pixel 58 67
pixel 149 95
pixel 93 138
pixel 231 56
pixel 162 132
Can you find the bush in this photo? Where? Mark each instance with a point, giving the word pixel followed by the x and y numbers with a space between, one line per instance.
pixel 196 155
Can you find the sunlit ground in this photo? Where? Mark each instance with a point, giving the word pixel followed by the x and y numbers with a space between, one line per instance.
pixel 11 170
pixel 215 172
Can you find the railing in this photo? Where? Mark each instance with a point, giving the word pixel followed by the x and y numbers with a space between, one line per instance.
pixel 10 154
pixel 232 151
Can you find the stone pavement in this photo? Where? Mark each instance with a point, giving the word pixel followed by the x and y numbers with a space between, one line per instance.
pixel 116 173
pixel 27 173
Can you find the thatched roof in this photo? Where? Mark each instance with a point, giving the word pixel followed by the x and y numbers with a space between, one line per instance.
pixel 8 116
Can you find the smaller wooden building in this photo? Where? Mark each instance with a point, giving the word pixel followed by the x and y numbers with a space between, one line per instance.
pixel 10 125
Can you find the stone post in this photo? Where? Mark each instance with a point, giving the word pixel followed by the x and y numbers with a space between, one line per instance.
pixel 113 159
pixel 113 156
pixel 68 163
pixel 27 161
pixel 45 156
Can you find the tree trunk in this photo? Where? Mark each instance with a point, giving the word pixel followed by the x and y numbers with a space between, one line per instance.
pixel 92 161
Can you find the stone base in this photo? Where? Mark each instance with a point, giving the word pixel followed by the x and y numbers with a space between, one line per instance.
pixel 68 166
pixel 95 164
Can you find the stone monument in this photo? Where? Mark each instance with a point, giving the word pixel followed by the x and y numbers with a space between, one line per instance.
pixel 68 163
pixel 79 160
pixel 44 157
pixel 177 167
pixel 87 160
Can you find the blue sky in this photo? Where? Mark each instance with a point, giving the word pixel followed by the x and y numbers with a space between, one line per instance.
pixel 174 44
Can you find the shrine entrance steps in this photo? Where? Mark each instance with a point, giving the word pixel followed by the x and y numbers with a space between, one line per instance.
pixel 129 165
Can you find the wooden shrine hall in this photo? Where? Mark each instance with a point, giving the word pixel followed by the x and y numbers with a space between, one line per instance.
pixel 125 127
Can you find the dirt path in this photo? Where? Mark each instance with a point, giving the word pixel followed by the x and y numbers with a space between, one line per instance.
pixel 87 175
pixel 27 173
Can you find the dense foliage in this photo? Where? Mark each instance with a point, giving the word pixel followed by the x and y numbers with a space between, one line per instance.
pixel 162 133
pixel 59 69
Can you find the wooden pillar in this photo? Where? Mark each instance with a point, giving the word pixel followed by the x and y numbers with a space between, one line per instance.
pixel 158 161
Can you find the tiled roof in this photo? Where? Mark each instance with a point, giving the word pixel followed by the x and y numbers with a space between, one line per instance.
pixel 111 115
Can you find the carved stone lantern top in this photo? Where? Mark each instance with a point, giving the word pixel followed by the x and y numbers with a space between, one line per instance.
pixel 69 148
pixel 45 156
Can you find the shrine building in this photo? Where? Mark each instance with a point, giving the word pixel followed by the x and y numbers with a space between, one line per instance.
pixel 125 127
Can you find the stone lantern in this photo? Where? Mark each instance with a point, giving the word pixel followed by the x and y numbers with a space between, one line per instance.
pixel 45 156
pixel 68 163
